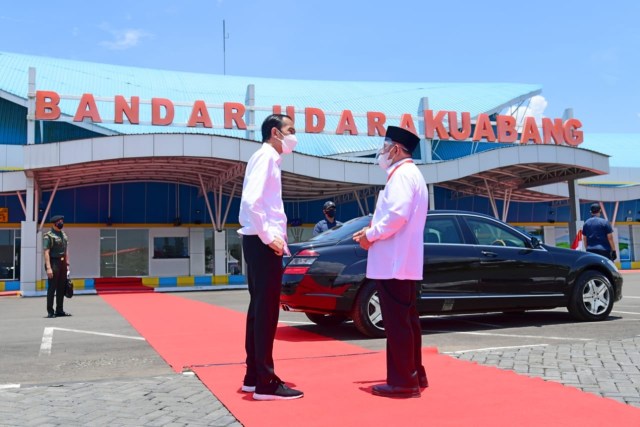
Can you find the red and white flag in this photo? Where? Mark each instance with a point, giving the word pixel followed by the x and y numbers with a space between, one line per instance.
pixel 578 244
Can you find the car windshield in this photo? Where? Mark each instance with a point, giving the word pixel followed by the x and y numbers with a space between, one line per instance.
pixel 340 232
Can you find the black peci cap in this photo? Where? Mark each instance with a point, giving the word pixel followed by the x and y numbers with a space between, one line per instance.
pixel 402 136
pixel 595 208
pixel 57 218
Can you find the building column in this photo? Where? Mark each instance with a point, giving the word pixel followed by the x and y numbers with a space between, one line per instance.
pixel 219 252
pixel 575 222
pixel 196 251
pixel 30 262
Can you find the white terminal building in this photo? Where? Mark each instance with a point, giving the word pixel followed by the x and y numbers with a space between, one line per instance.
pixel 147 165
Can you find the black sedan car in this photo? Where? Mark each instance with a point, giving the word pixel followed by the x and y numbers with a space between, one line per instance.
pixel 473 263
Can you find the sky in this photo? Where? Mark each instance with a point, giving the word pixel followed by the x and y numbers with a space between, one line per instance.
pixel 584 57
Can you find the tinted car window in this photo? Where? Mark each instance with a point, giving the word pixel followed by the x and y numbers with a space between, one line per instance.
pixel 489 233
pixel 340 232
pixel 441 230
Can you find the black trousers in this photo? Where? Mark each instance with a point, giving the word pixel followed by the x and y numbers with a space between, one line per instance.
pixel 604 253
pixel 56 285
pixel 264 276
pixel 404 334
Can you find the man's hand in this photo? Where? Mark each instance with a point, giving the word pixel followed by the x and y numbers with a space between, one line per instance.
pixel 613 256
pixel 277 245
pixel 361 238
pixel 49 273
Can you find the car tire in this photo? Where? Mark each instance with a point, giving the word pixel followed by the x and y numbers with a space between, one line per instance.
pixel 326 319
pixel 592 297
pixel 367 314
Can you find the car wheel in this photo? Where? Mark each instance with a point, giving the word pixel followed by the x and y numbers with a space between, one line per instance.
pixel 326 319
pixel 367 314
pixel 592 297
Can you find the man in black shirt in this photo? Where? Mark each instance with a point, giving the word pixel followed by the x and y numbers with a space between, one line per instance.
pixel 56 262
pixel 597 235
pixel 329 210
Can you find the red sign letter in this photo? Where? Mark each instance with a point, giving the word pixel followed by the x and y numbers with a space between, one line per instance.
pixel 132 112
pixel 375 123
pixel 156 118
pixel 233 112
pixel 484 129
pixel 309 115
pixel 530 131
pixel 463 134
pixel 406 122
pixel 291 112
pixel 346 123
pixel 506 129
pixel 431 124
pixel 573 136
pixel 47 105
pixel 552 130
pixel 87 109
pixel 199 115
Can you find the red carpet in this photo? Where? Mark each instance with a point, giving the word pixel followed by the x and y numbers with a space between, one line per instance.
pixel 117 285
pixel 336 377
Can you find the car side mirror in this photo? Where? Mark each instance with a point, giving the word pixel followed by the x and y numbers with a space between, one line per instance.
pixel 535 242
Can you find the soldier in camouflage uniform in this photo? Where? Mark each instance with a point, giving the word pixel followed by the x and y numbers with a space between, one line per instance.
pixel 56 261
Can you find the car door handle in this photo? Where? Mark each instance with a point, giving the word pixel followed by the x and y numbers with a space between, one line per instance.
pixel 489 254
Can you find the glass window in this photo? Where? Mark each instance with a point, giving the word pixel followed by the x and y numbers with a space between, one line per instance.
pixel 170 247
pixel 107 253
pixel 562 237
pixel 624 242
pixel 7 255
pixel 208 251
pixel 490 233
pixel 234 252
pixel 441 230
pixel 124 252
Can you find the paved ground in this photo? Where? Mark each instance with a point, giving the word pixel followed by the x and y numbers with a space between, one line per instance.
pixel 93 369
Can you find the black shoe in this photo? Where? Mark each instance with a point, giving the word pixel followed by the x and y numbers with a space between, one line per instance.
pixel 423 382
pixel 248 384
pixel 282 392
pixel 387 390
pixel 51 316
pixel 63 314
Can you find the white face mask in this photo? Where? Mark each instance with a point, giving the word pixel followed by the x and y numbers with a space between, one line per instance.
pixel 289 143
pixel 383 159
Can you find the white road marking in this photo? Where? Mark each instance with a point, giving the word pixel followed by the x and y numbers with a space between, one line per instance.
pixel 5 386
pixel 626 312
pixel 495 348
pixel 47 337
pixel 47 341
pixel 509 335
pixel 626 296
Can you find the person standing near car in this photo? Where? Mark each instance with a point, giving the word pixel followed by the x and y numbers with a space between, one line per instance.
pixel 395 261
pixel 264 234
pixel 56 263
pixel 597 234
pixel 329 221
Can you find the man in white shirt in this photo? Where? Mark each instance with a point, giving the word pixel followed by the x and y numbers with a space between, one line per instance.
pixel 264 234
pixel 395 261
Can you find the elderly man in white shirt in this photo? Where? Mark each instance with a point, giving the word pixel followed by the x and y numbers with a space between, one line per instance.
pixel 264 235
pixel 395 261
